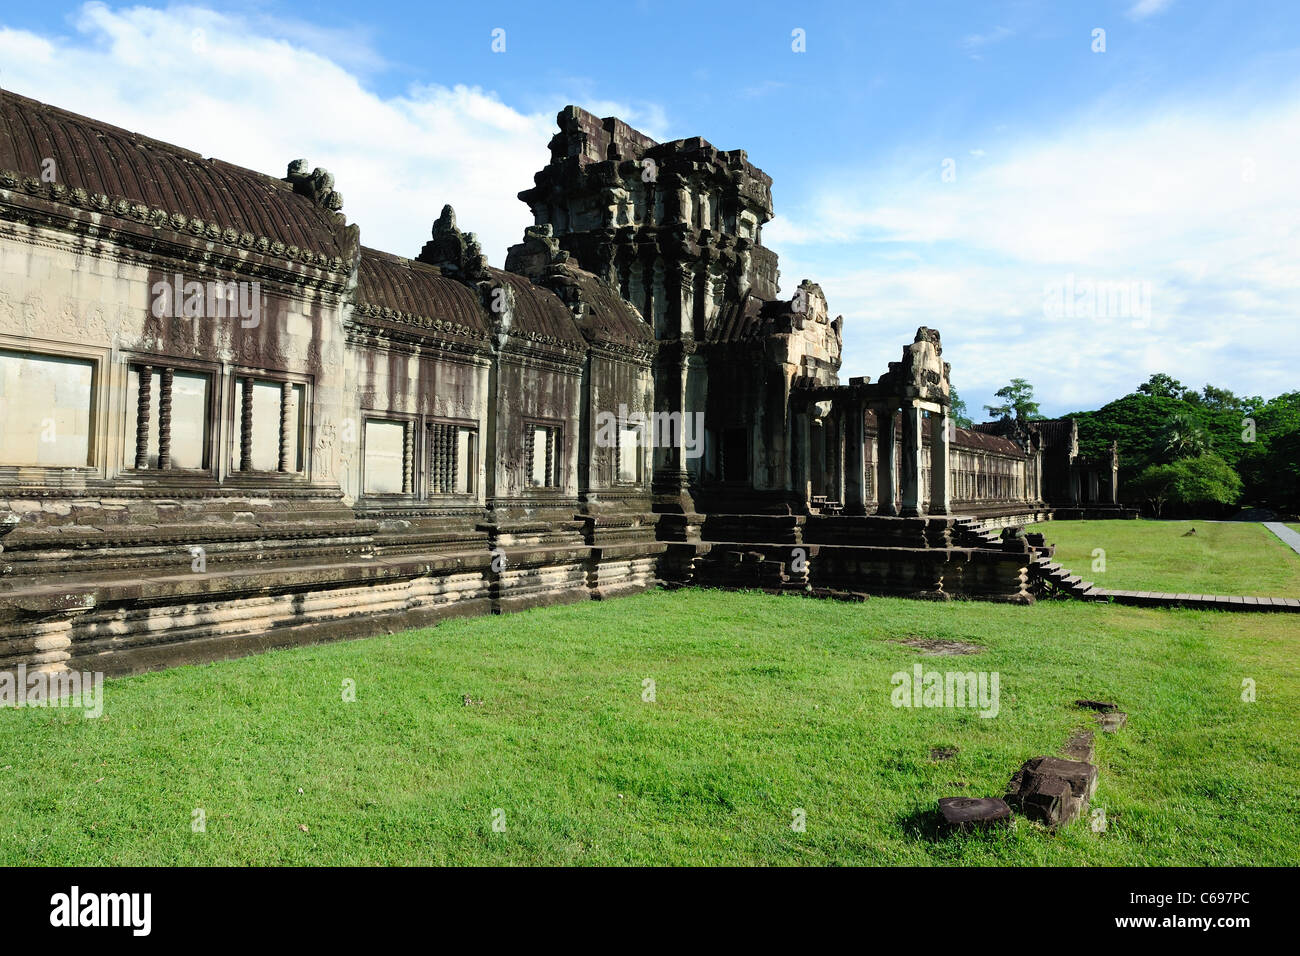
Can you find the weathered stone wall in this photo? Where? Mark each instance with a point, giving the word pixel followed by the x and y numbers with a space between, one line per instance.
pixel 398 383
pixel 94 302
pixel 534 391
pixel 611 386
pixel 384 441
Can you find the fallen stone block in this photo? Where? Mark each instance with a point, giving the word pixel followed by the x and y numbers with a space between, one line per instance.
pixel 1047 800
pixel 1053 790
pixel 1098 705
pixel 974 813
pixel 1080 746
pixel 1081 776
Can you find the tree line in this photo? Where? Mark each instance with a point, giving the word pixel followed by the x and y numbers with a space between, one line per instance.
pixel 1186 450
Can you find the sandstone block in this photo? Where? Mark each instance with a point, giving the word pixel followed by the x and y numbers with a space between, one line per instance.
pixel 974 813
pixel 1052 789
pixel 1102 706
pixel 1080 746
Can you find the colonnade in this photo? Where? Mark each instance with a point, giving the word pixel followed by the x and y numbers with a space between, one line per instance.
pixel 845 463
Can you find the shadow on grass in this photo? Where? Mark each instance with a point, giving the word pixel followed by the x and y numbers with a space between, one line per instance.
pixel 925 824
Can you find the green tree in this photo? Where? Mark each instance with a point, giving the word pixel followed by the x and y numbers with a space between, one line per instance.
pixel 1133 421
pixel 1223 400
pixel 1250 436
pixel 1206 483
pixel 1277 416
pixel 1017 399
pixel 1270 469
pixel 1161 385
pixel 960 415
pixel 1184 437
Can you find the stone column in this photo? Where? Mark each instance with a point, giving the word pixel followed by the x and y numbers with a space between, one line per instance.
pixel 887 476
pixel 911 470
pixel 246 424
pixel 286 426
pixel 940 463
pixel 816 455
pixel 165 418
pixel 837 452
pixel 855 475
pixel 408 458
pixel 142 416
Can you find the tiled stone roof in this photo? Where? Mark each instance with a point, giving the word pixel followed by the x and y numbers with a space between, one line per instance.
pixel 609 318
pixel 413 294
pixel 539 315
pixel 113 171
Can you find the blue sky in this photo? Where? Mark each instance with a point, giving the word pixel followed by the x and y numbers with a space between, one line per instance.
pixel 1164 166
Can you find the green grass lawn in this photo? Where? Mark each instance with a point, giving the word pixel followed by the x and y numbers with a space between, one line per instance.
pixel 1221 558
pixel 763 705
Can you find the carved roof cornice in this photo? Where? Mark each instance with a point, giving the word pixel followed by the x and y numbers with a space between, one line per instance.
pixel 564 348
pixel 25 198
pixel 365 335
pixel 516 352
pixel 388 320
pixel 625 353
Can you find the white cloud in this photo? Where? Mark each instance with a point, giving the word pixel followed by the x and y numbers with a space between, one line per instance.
pixel 1202 203
pixel 976 41
pixel 260 92
pixel 1146 8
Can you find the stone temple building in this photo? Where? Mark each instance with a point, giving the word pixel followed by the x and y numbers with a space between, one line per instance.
pixel 227 424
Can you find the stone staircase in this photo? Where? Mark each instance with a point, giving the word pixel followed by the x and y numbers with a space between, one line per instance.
pixel 748 568
pixel 1059 580
pixel 1048 578
pixel 974 532
pixel 774 569
pixel 822 505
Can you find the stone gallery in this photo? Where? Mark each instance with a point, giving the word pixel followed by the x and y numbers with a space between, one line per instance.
pixel 226 424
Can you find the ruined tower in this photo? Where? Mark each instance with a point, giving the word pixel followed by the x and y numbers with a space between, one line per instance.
pixel 677 228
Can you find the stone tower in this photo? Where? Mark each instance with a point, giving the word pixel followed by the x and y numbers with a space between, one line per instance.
pixel 677 227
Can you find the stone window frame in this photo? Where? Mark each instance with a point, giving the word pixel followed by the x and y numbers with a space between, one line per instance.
pixel 231 446
pixel 130 459
pixel 410 452
pixel 639 480
pixel 417 478
pixel 555 447
pixel 97 451
pixel 426 482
